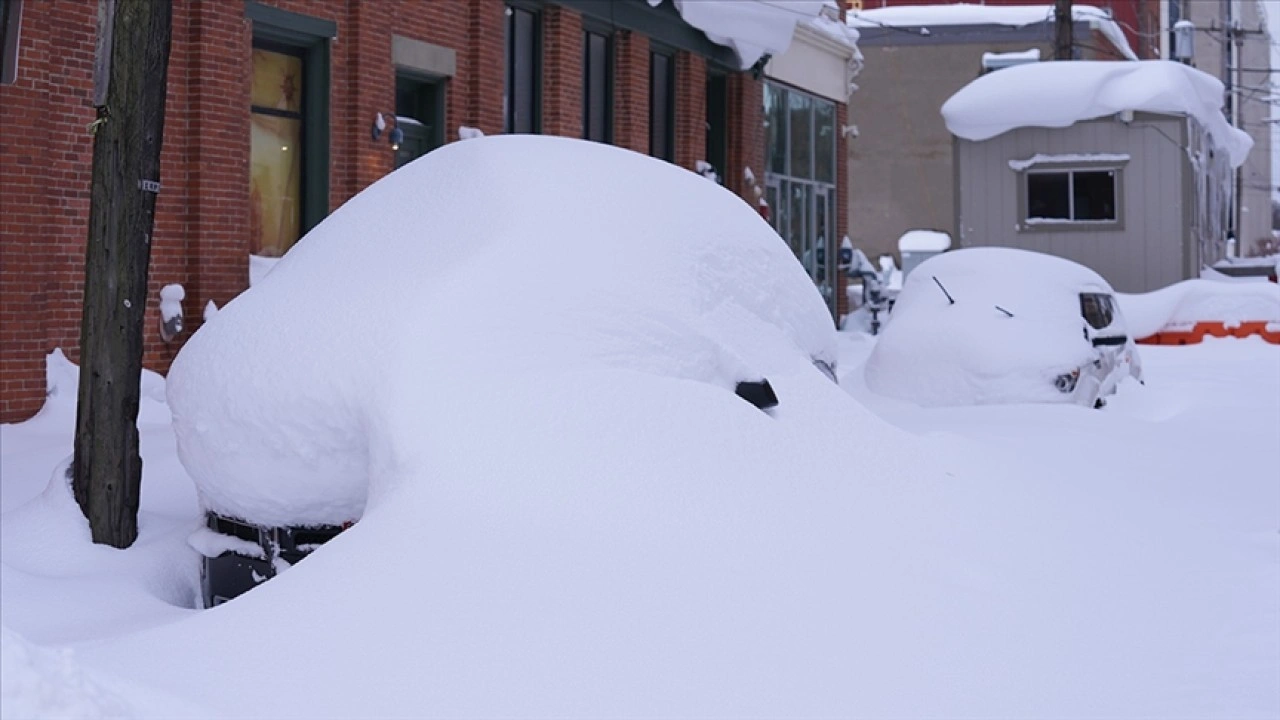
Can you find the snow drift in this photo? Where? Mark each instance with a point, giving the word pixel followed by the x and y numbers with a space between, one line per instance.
pixel 1015 325
pixel 1062 93
pixel 1199 300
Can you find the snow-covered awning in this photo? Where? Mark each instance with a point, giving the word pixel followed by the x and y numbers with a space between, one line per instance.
pixel 753 28
pixel 924 16
pixel 1063 92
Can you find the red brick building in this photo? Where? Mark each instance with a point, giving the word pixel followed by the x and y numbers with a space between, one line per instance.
pixel 269 127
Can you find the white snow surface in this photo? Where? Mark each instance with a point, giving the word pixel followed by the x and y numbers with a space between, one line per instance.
pixel 922 16
pixel 259 266
pixel 49 684
pixel 1061 93
pixel 924 241
pixel 436 237
pixel 934 353
pixel 1184 304
pixel 753 28
pixel 1060 562
pixel 171 297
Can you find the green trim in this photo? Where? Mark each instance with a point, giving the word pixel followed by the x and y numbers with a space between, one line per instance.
pixel 287 26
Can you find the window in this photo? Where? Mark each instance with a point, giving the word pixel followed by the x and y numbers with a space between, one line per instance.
pixel 275 151
pixel 800 182
pixel 662 106
pixel 419 115
pixel 718 123
pixel 10 24
pixel 524 71
pixel 1068 196
pixel 288 127
pixel 597 87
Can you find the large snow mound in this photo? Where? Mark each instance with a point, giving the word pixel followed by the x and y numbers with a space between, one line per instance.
pixel 525 348
pixel 922 16
pixel 625 261
pixel 1061 93
pixel 934 352
pixel 1199 300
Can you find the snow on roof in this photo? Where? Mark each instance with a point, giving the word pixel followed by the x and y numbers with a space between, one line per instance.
pixel 753 28
pixel 1063 92
pixel 922 16
pixel 924 241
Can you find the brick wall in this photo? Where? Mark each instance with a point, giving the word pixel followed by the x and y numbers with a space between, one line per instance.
pixel 631 92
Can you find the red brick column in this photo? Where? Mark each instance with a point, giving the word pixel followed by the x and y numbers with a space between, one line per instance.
pixel 562 72
pixel 631 92
pixel 691 109
pixel 366 87
pixel 746 134
pixel 218 219
pixel 485 71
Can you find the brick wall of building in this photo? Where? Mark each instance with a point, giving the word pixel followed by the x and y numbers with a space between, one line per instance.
pixel 201 238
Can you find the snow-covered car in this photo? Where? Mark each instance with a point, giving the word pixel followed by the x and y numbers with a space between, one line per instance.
pixel 526 280
pixel 1000 325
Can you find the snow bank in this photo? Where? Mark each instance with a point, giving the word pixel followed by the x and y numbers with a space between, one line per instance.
pixel 279 399
pixel 753 28
pixel 1062 93
pixel 973 352
pixel 49 684
pixel 1200 300
pixel 516 356
pixel 922 16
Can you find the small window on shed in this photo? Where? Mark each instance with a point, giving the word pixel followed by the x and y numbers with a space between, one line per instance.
pixel 1072 196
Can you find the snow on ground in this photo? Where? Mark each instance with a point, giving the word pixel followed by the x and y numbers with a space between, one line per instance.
pixel 570 514
pixel 1060 94
pixel 1201 300
pixel 1120 563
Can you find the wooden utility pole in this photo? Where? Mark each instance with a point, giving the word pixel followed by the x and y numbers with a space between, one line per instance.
pixel 129 94
pixel 1063 27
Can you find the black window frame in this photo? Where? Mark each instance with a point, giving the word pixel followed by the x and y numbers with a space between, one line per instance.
pixel 430 98
pixel 717 142
pixel 590 30
pixel 307 37
pixel 512 9
pixel 1027 222
pixel 662 130
pixel 10 36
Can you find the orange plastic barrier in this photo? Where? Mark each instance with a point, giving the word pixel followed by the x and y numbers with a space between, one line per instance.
pixel 1200 330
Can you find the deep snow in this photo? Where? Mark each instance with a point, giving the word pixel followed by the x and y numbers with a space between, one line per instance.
pixel 572 515
pixel 1062 563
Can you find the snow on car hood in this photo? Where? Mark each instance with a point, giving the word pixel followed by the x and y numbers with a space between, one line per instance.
pixel 933 352
pixel 615 260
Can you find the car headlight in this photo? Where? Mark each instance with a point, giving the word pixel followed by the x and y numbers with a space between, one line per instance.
pixel 1066 382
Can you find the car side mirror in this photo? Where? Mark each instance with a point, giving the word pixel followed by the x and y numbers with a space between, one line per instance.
pixel 758 392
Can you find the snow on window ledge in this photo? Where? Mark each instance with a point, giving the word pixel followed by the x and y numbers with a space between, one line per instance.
pixel 1069 159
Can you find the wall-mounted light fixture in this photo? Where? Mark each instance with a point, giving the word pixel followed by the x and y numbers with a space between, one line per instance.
pixel 395 137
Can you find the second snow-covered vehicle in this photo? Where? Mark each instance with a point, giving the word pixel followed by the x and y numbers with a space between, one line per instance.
pixel 999 325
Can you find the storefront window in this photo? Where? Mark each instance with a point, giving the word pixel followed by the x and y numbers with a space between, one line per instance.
pixel 801 178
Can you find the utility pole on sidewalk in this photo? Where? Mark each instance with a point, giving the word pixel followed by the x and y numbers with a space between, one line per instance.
pixel 129 94
pixel 1063 27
